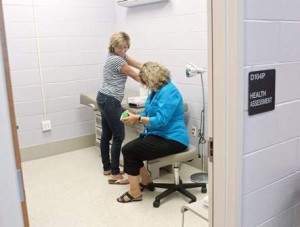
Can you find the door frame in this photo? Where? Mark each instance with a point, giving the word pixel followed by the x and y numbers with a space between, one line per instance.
pixel 226 110
pixel 12 116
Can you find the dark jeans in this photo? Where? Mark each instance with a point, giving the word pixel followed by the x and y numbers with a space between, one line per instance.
pixel 112 128
pixel 147 148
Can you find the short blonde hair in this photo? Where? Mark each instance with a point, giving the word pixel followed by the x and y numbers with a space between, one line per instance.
pixel 118 39
pixel 156 74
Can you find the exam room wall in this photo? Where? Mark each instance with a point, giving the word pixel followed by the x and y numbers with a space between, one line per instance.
pixel 271 179
pixel 172 33
pixel 73 38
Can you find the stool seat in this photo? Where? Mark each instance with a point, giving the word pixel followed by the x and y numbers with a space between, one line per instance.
pixel 187 155
pixel 167 162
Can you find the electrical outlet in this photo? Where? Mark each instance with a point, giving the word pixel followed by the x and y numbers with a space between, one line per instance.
pixel 46 126
pixel 194 130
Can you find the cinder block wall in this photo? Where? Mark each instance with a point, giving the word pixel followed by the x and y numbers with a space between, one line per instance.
pixel 71 38
pixel 172 33
pixel 56 51
pixel 271 176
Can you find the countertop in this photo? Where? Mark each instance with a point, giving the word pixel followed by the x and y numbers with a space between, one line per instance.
pixel 89 99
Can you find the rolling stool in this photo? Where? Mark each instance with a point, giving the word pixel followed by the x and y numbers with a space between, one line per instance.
pixel 176 159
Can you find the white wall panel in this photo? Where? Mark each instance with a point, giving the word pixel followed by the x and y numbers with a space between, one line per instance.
pixel 261 42
pixel 54 90
pixel 30 123
pixel 270 128
pixel 60 104
pixel 269 165
pixel 61 59
pixel 22 46
pixel 27 93
pixel 287 78
pixel 72 73
pixel 17 2
pixel 18 13
pixel 64 117
pixel 19 29
pixel 96 3
pixel 86 128
pixel 272 10
pixel 62 29
pixel 262 9
pixel 271 200
pixel 65 132
pixel 283 219
pixel 23 61
pixel 29 108
pixel 55 44
pixel 25 77
pixel 290 42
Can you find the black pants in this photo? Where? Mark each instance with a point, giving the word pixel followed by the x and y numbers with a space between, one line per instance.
pixel 147 148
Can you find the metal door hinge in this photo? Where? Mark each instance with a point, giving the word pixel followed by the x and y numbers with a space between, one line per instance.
pixel 21 186
pixel 211 149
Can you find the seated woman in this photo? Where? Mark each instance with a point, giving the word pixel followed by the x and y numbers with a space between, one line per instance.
pixel 165 131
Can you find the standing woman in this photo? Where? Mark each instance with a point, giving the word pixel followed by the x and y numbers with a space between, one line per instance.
pixel 115 72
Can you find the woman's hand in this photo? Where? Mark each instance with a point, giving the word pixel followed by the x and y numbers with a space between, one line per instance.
pixel 131 119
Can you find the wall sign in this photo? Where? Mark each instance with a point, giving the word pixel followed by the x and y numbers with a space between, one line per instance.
pixel 261 97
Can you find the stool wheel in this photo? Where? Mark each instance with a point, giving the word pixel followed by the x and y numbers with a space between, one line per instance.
pixel 203 190
pixel 156 203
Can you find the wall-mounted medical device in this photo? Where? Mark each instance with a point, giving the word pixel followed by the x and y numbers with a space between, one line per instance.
pixel 192 70
pixel 131 3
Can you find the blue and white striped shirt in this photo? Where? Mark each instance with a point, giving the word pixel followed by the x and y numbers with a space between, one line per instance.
pixel 113 80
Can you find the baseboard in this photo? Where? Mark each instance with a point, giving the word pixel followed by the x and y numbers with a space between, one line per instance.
pixel 57 147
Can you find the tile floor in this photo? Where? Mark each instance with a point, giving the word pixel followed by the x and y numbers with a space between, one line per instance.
pixel 69 190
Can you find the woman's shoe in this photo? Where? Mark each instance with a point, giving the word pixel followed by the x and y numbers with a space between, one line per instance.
pixel 116 177
pixel 120 182
pixel 121 199
pixel 149 186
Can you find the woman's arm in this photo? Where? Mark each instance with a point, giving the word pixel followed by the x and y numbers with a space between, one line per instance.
pixel 126 69
pixel 134 63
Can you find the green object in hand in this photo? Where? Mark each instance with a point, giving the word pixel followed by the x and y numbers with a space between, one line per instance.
pixel 124 115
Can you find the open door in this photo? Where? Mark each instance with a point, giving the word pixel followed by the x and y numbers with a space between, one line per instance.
pixel 12 123
pixel 225 47
pixel 210 112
